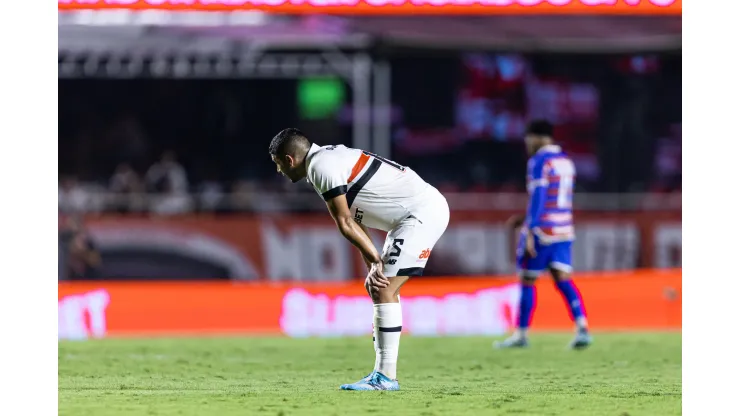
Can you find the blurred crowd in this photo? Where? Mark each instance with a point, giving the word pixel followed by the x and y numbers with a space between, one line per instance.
pixel 79 258
pixel 164 189
pixel 173 146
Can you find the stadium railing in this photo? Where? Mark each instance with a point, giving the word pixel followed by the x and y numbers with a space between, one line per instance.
pixel 100 202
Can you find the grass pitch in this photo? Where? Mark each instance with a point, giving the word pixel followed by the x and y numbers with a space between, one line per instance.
pixel 621 375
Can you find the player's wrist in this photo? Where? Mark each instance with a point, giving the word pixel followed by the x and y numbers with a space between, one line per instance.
pixel 372 260
pixel 375 265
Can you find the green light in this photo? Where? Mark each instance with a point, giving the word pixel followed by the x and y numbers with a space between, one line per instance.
pixel 320 97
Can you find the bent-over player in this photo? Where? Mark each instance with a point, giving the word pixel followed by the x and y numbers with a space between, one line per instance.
pixel 364 190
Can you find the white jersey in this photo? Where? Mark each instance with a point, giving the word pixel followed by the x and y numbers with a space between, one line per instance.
pixel 380 193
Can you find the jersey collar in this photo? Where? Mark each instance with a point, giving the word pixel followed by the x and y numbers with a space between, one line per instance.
pixel 550 148
pixel 314 148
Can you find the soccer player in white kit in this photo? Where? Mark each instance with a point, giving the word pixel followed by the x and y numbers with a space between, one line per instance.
pixel 363 190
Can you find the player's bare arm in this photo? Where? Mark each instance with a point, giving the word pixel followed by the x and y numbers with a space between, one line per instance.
pixel 363 190
pixel 515 221
pixel 529 244
pixel 360 238
pixel 367 233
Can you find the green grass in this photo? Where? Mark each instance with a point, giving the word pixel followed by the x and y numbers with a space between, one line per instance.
pixel 622 374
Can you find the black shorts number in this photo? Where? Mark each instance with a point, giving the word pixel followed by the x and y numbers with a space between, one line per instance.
pixel 396 243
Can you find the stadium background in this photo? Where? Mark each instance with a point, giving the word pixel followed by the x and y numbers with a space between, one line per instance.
pixel 173 221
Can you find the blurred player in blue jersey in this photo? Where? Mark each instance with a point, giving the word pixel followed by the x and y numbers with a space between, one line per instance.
pixel 547 233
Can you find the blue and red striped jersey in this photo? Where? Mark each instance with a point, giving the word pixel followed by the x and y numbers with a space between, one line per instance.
pixel 550 181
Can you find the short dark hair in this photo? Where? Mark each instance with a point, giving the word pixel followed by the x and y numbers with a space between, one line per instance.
pixel 288 141
pixel 540 128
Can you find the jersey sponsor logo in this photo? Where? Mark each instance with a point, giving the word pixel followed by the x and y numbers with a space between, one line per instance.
pixel 425 254
pixel 358 215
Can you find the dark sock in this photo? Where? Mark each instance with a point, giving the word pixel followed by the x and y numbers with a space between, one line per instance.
pixel 527 304
pixel 572 297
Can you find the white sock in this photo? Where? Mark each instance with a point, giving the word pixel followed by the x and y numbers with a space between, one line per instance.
pixel 582 323
pixel 387 321
pixel 375 342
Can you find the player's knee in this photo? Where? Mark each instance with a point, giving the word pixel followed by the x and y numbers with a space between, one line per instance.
pixel 383 294
pixel 527 280
pixel 377 294
pixel 560 275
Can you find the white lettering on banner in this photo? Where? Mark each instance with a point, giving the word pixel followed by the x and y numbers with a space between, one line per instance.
pixel 305 253
pixel 477 249
pixel 83 316
pixel 423 313
pixel 281 253
pixel 320 252
pixel 327 255
pixel 485 312
pixel 667 246
pixel 606 247
pixel 352 315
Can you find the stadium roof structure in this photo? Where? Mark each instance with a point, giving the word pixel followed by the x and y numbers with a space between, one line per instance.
pixel 253 44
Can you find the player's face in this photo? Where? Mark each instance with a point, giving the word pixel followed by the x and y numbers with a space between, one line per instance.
pixel 285 167
pixel 533 143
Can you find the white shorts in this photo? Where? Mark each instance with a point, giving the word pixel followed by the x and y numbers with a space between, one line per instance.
pixel 408 246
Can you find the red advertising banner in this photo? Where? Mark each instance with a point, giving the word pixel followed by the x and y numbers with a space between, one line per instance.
pixel 397 7
pixel 309 248
pixel 644 300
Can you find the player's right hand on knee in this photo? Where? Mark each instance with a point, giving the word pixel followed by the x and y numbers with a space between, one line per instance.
pixel 531 252
pixel 376 278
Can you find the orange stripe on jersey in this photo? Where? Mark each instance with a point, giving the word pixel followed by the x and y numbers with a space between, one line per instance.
pixel 361 162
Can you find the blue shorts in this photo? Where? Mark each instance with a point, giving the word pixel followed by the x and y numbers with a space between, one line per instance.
pixel 555 256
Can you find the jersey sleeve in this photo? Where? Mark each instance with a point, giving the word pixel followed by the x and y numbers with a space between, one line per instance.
pixel 537 186
pixel 536 175
pixel 328 182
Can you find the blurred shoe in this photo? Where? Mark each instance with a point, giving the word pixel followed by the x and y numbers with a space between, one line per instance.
pixel 582 340
pixel 514 341
pixel 373 381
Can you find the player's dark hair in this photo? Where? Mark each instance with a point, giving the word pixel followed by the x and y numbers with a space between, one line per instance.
pixel 288 142
pixel 540 128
